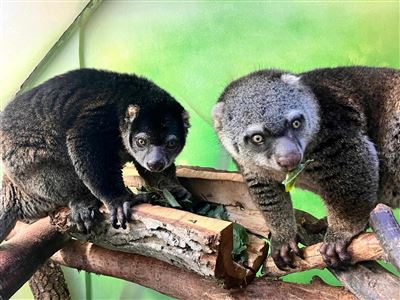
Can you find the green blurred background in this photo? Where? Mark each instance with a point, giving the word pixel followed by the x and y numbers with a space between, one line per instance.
pixel 193 50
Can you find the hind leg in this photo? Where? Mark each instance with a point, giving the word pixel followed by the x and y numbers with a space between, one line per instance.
pixel 8 218
pixel 52 185
pixel 8 208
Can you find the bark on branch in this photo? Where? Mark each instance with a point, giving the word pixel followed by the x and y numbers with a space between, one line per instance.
pixel 25 252
pixel 48 282
pixel 362 248
pixel 196 243
pixel 369 281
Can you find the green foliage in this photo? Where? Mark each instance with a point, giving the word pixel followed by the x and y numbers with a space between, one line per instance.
pixel 240 243
pixel 170 199
pixel 240 235
pixel 291 177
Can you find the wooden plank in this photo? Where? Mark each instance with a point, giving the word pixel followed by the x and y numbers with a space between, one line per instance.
pixel 226 188
pixel 196 172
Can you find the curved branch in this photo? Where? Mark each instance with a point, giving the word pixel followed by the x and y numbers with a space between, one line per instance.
pixel 179 283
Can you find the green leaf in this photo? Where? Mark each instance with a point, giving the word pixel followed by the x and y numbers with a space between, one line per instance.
pixel 218 212
pixel 204 210
pixel 240 243
pixel 291 177
pixel 170 199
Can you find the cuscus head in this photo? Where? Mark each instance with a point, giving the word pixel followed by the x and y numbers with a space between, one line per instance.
pixel 267 119
pixel 154 134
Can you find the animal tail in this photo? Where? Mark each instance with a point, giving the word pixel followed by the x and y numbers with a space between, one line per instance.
pixel 8 208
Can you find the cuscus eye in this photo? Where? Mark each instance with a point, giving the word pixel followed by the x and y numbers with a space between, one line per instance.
pixel 141 142
pixel 296 124
pixel 257 139
pixel 171 144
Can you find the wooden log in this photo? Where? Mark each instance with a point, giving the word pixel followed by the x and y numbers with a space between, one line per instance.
pixel 364 247
pixel 370 281
pixel 179 283
pixel 387 231
pixel 25 252
pixel 215 186
pixel 200 244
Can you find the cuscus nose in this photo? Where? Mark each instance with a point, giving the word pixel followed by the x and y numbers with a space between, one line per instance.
pixel 155 165
pixel 290 161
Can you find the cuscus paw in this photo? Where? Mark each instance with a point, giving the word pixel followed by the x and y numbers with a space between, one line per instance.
pixel 120 208
pixel 335 254
pixel 85 215
pixel 283 251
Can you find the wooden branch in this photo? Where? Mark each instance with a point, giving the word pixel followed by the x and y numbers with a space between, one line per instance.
pixel 227 188
pixel 25 252
pixel 364 247
pixel 387 231
pixel 48 282
pixel 196 243
pixel 369 281
pixel 166 278
pixel 179 283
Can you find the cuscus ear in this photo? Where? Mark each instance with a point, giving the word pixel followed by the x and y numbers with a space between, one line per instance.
pixel 132 112
pixel 217 113
pixel 291 79
pixel 186 119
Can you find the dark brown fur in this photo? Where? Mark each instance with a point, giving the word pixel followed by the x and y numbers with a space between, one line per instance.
pixel 65 142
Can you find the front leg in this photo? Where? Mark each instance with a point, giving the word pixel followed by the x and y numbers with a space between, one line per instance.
pixel 277 208
pixel 93 144
pixel 349 184
pixel 165 180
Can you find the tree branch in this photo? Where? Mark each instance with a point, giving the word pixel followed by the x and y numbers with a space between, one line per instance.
pixel 25 252
pixel 387 231
pixel 363 247
pixel 179 283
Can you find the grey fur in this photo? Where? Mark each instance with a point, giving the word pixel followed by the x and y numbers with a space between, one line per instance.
pixel 350 128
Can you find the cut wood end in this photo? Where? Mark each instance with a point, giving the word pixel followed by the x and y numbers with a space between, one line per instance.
pixel 380 207
pixel 257 251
